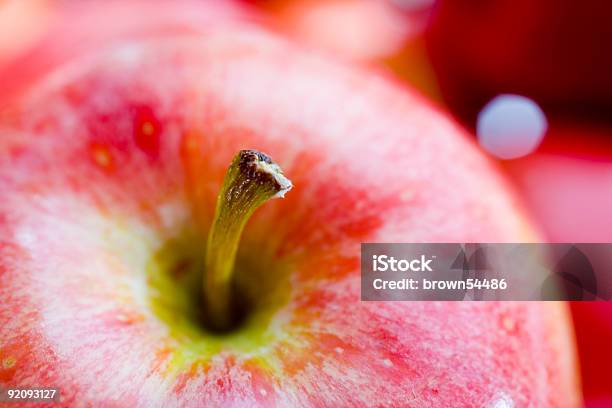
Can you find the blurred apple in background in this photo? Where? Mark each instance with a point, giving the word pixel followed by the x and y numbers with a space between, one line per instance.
pixel 358 30
pixel 556 52
pixel 386 34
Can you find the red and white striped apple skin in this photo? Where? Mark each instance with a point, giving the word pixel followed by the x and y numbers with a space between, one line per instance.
pixel 107 156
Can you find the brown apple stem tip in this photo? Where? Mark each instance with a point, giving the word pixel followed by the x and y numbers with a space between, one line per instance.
pixel 251 180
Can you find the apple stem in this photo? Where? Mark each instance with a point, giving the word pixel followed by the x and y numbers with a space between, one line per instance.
pixel 251 180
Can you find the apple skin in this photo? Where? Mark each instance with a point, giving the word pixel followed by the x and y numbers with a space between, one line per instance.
pixel 565 185
pixel 112 155
pixel 553 51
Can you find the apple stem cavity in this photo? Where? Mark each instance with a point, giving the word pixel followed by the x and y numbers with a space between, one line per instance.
pixel 251 180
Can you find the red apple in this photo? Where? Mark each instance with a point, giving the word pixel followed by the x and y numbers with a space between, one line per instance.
pixel 554 51
pixel 113 151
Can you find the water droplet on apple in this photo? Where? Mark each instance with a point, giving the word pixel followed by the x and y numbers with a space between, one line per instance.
pixel 511 126
pixel 501 400
pixel 129 318
pixel 127 54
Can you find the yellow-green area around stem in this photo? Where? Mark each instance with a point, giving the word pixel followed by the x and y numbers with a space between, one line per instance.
pixel 174 275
